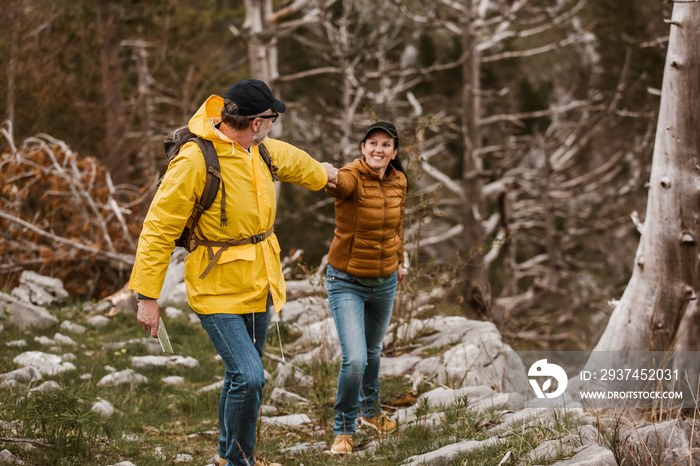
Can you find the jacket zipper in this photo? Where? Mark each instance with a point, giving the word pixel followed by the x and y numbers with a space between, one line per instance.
pixel 381 255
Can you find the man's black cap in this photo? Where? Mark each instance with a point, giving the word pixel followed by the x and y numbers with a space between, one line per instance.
pixel 382 126
pixel 253 97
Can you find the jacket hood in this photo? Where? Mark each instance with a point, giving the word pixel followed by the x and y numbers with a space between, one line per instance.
pixel 203 122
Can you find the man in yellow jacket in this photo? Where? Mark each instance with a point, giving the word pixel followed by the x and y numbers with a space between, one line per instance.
pixel 231 288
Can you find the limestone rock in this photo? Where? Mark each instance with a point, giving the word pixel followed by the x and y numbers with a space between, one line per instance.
pixel 103 407
pixel 447 454
pixel 45 363
pixel 40 290
pixel 279 396
pixel 666 443
pixel 154 362
pixel 24 375
pixel 127 376
pixel 26 315
pixel 289 420
pixel 591 455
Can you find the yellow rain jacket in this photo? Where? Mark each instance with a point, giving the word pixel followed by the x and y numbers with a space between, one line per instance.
pixel 243 275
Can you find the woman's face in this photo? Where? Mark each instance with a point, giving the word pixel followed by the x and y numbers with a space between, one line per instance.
pixel 378 150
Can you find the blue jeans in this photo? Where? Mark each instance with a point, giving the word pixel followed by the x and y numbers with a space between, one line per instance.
pixel 361 314
pixel 239 340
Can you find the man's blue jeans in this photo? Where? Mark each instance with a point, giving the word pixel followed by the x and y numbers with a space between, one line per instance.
pixel 361 314
pixel 239 340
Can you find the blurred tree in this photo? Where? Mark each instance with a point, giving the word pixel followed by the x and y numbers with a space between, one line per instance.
pixel 664 285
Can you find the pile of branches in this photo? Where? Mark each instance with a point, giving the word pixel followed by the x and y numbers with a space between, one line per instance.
pixel 61 216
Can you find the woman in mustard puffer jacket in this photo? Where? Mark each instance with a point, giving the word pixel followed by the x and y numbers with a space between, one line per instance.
pixel 365 264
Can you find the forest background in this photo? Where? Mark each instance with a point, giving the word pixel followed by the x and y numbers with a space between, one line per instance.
pixel 527 128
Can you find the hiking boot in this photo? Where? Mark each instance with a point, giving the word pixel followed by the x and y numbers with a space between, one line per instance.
pixel 219 461
pixel 380 424
pixel 342 444
pixel 259 461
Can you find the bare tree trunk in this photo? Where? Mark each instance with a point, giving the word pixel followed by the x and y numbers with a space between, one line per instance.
pixel 115 159
pixel 476 293
pixel 665 277
pixel 14 25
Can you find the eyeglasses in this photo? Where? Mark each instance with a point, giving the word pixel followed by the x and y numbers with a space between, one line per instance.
pixel 273 117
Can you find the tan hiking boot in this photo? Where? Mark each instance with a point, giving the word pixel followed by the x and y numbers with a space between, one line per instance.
pixel 342 444
pixel 219 461
pixel 380 424
pixel 259 461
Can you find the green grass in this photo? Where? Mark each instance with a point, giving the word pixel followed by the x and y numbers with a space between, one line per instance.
pixel 169 420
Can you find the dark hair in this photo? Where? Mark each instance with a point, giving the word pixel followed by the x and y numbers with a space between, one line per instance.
pixel 230 118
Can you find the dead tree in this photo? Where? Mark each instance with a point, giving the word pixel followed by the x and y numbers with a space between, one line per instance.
pixel 664 284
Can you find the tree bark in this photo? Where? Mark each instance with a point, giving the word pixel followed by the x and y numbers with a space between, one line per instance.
pixel 115 128
pixel 476 293
pixel 665 277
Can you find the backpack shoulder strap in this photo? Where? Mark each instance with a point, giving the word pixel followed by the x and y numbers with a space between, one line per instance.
pixel 265 154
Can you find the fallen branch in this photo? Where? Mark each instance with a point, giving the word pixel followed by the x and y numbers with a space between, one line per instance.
pixel 125 259
pixel 26 440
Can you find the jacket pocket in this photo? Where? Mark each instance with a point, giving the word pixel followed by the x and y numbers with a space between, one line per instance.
pixel 237 253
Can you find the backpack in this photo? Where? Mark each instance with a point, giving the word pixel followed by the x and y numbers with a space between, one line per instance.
pixel 173 142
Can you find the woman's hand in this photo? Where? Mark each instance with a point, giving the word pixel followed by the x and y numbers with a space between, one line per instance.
pixel 400 274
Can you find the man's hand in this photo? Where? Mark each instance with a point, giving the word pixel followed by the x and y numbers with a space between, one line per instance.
pixel 148 315
pixel 332 173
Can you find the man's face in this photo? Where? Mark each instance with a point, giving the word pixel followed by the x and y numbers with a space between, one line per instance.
pixel 262 133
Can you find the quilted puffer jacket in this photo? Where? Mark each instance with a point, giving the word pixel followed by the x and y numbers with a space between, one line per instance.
pixel 369 214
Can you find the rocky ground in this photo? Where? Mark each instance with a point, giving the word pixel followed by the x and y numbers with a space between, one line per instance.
pixel 459 357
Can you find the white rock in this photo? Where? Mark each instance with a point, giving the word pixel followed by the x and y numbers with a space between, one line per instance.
pixel 289 420
pixel 131 437
pixel 46 386
pixel 110 369
pixel 86 376
pixel 47 364
pixel 449 453
pixel 267 410
pixel 39 289
pixel 64 340
pixel 127 376
pixel 44 340
pixel 16 343
pixel 25 375
pixel 591 455
pixel 70 327
pixel 124 463
pixel 280 396
pixel 98 321
pixel 26 315
pixel 154 362
pixel 8 458
pixel 173 312
pixel 68 357
pixel 184 458
pixel 173 380
pixel 399 365
pixel 211 387
pixel 102 407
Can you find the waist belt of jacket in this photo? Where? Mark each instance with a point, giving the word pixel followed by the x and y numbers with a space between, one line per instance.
pixel 224 245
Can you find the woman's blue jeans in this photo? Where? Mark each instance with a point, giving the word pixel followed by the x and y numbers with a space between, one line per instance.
pixel 239 340
pixel 361 314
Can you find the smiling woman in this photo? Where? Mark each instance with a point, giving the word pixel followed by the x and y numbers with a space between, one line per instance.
pixel 364 269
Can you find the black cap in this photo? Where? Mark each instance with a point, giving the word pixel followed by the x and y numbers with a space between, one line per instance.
pixel 382 126
pixel 253 97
